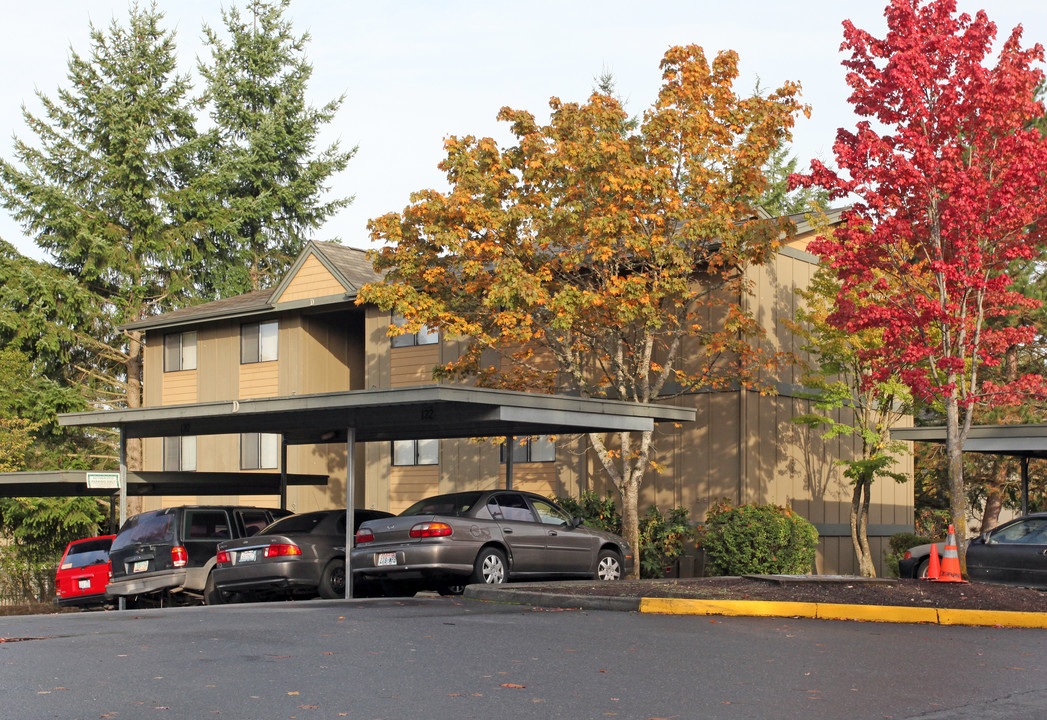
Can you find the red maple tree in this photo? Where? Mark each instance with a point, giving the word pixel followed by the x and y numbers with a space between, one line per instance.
pixel 950 191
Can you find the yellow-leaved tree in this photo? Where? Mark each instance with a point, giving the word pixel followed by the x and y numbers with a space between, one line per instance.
pixel 597 255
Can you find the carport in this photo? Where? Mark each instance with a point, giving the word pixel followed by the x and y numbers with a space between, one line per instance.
pixel 1020 441
pixel 435 411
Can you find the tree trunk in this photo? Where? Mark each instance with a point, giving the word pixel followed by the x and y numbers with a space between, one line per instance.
pixel 134 366
pixel 860 526
pixel 957 492
pixel 631 519
pixel 994 493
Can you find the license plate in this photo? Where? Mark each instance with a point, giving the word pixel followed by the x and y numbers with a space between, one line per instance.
pixel 248 555
pixel 386 559
pixel 140 566
pixel 84 584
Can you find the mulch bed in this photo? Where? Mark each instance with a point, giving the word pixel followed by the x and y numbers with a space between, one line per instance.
pixel 855 591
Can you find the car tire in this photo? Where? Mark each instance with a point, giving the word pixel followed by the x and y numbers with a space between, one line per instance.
pixel 451 590
pixel 332 580
pixel 921 570
pixel 212 595
pixel 491 567
pixel 608 566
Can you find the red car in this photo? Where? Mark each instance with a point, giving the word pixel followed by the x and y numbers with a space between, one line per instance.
pixel 84 572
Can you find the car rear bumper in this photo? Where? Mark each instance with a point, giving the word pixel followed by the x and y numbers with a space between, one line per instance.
pixel 269 576
pixel 81 600
pixel 414 561
pixel 156 582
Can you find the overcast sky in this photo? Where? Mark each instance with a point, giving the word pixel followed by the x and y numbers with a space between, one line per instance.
pixel 415 72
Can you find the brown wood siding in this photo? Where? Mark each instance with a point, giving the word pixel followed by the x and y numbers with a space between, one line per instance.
pixel 179 387
pixel 259 380
pixel 408 485
pixel 410 366
pixel 313 280
pixel 538 478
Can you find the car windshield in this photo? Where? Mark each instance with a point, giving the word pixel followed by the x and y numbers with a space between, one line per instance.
pixel 303 523
pixel 452 504
pixel 87 553
pixel 151 527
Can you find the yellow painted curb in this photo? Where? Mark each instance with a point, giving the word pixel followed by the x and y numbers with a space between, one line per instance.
pixel 832 611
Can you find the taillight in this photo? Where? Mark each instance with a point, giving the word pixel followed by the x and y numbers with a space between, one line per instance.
pixel 222 557
pixel 907 555
pixel 281 549
pixel 430 529
pixel 179 557
pixel 364 535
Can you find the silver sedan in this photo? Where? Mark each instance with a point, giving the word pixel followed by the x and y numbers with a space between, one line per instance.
pixel 445 542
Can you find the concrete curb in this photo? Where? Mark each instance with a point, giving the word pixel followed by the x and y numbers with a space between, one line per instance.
pixel 756 608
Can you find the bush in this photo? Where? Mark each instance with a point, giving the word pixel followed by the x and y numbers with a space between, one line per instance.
pixel 897 545
pixel 663 536
pixel 758 539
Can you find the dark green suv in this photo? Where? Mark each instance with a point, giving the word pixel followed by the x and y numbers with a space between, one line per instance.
pixel 166 556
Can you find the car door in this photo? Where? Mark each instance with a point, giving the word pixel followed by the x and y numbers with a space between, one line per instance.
pixel 1013 554
pixel 568 549
pixel 203 529
pixel 523 534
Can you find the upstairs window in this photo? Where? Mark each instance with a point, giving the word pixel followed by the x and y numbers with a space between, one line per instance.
pixel 258 342
pixel 425 336
pixel 180 453
pixel 259 451
pixel 532 450
pixel 416 452
pixel 180 351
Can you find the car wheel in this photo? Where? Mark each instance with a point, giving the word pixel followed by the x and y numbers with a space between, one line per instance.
pixel 921 569
pixel 608 566
pixel 451 589
pixel 491 567
pixel 332 581
pixel 212 595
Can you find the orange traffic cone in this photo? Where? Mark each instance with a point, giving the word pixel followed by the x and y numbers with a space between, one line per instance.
pixel 950 561
pixel 934 568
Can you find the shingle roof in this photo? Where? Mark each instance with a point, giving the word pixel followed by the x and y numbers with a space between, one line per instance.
pixel 351 263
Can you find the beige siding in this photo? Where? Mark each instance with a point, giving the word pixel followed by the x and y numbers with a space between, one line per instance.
pixel 413 365
pixel 408 485
pixel 259 380
pixel 179 387
pixel 313 280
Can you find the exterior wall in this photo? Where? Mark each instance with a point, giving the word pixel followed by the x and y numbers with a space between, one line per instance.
pixel 312 280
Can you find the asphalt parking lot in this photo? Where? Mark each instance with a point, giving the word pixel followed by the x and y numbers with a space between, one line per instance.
pixel 440 658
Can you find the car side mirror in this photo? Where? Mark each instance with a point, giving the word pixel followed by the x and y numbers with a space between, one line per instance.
pixel 576 521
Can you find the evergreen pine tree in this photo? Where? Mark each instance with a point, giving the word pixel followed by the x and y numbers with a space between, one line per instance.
pixel 271 182
pixel 108 190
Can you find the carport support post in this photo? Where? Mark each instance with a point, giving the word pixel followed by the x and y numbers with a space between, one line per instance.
pixel 350 506
pixel 509 447
pixel 1025 486
pixel 283 473
pixel 122 602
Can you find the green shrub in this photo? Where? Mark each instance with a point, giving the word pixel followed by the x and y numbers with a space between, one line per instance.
pixel 897 545
pixel 758 539
pixel 663 536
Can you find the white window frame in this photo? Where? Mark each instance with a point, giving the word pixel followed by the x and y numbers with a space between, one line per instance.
pixel 264 346
pixel 259 451
pixel 541 447
pixel 179 453
pixel 425 336
pixel 182 357
pixel 409 453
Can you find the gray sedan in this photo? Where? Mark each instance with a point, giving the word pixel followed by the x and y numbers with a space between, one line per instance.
pixel 297 555
pixel 444 542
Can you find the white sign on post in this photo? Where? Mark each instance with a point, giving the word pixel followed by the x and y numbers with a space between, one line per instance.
pixel 103 481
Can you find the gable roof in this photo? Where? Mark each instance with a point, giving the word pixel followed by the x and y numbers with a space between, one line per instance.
pixel 350 266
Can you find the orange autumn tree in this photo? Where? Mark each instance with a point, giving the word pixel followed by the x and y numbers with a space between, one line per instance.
pixel 598 255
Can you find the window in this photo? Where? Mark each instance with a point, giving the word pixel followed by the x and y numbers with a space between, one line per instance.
pixel 258 342
pixel 206 525
pixel 259 451
pixel 416 452
pixel 1028 532
pixel 549 514
pixel 180 351
pixel 532 450
pixel 510 506
pixel 180 453
pixel 425 336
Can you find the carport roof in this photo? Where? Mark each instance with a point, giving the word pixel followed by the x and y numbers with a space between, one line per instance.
pixel 431 411
pixel 73 483
pixel 1015 440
